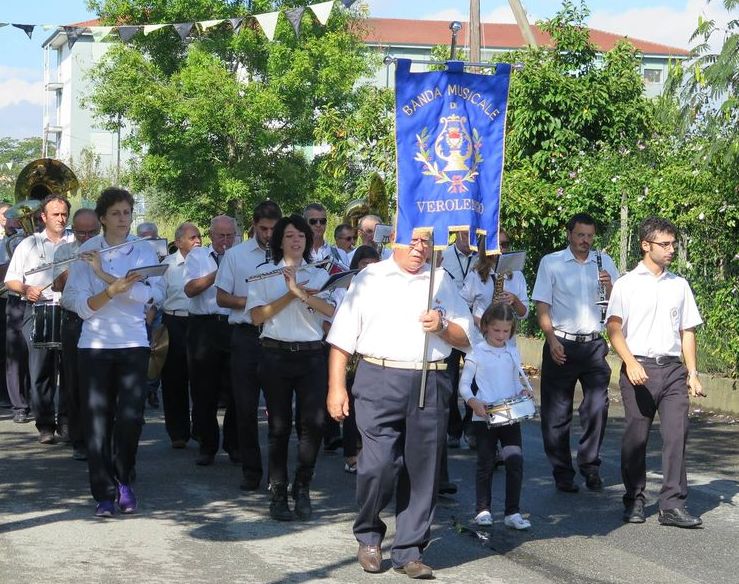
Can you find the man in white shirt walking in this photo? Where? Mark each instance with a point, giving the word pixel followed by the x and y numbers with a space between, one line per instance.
pixel 652 317
pixel 176 308
pixel 209 344
pixel 566 294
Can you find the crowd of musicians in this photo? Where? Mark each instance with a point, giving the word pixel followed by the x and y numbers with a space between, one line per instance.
pixel 260 318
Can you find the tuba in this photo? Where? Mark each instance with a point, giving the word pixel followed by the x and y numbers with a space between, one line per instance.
pixel 37 180
pixel 375 203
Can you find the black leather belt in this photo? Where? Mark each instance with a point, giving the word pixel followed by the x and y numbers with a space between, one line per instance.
pixel 249 327
pixel 659 361
pixel 218 317
pixel 268 343
pixel 577 337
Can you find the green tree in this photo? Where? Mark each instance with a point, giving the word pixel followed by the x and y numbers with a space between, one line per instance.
pixel 14 155
pixel 224 120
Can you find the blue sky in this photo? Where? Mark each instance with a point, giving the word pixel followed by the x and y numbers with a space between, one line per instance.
pixel 21 59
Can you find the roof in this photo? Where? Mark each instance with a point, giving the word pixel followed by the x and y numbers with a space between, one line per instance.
pixel 428 33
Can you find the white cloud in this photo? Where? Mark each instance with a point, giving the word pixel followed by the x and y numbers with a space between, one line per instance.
pixel 16 91
pixel 662 24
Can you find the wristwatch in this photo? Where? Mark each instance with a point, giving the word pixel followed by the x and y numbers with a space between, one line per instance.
pixel 444 322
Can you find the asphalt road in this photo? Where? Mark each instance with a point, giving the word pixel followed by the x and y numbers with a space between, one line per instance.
pixel 194 525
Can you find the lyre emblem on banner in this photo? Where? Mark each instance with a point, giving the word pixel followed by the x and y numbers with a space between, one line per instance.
pixel 456 147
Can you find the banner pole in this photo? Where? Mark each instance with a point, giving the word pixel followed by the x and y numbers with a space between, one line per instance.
pixel 424 369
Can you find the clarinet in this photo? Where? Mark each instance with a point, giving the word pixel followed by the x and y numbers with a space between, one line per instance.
pixel 602 302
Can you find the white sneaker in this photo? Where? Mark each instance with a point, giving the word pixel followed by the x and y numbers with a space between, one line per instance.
pixel 484 518
pixel 515 521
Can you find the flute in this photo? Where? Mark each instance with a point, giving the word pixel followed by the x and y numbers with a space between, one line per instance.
pixel 50 265
pixel 280 271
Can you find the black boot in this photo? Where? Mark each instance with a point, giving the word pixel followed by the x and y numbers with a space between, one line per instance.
pixel 278 507
pixel 301 496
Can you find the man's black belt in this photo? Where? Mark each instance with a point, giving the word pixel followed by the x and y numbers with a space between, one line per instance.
pixel 218 317
pixel 268 343
pixel 659 361
pixel 577 337
pixel 247 326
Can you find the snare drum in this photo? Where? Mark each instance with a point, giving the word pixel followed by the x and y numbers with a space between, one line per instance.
pixel 509 411
pixel 46 332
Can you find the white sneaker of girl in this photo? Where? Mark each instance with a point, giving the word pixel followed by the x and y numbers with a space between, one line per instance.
pixel 484 518
pixel 515 521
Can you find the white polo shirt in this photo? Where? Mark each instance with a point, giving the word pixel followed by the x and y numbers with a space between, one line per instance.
pixel 64 252
pixel 479 294
pixel 570 287
pixel 119 324
pixel 297 322
pixel 323 252
pixel 457 264
pixel 35 250
pixel 172 285
pixel 496 371
pixel 654 309
pixel 379 317
pixel 198 263
pixel 239 263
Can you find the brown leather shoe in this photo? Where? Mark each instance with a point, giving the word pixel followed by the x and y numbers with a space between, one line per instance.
pixel 416 569
pixel 370 558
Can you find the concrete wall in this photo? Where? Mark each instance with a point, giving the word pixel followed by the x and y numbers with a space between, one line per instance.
pixel 722 394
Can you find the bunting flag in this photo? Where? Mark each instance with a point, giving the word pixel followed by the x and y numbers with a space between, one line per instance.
pixel 236 24
pixel 183 29
pixel 100 32
pixel 150 28
pixel 294 15
pixel 450 140
pixel 127 32
pixel 206 24
pixel 268 22
pixel 322 11
pixel 73 33
pixel 348 3
pixel 27 28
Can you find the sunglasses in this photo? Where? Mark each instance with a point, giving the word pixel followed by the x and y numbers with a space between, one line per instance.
pixel 315 221
pixel 349 238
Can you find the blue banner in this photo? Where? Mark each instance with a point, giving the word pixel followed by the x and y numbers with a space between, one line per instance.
pixel 450 138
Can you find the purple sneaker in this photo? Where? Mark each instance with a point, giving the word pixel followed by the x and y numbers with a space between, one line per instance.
pixel 105 509
pixel 126 499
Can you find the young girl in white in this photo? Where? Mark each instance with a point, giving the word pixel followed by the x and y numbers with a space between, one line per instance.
pixel 494 366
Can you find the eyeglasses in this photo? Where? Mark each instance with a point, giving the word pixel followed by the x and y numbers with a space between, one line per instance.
pixel 504 244
pixel 665 244
pixel 417 240
pixel 317 220
pixel 348 238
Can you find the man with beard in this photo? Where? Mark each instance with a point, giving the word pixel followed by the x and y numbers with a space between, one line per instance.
pixel 566 292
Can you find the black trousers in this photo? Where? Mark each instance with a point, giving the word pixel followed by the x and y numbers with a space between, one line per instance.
pixel 401 453
pixel 454 428
pixel 586 362
pixel 666 393
pixel 176 380
pixel 487 441
pixel 246 354
pixel 71 330
pixel 304 374
pixel 113 385
pixel 16 356
pixel 209 364
pixel 4 397
pixel 43 366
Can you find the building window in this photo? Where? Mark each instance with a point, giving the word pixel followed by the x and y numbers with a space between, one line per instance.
pixel 653 75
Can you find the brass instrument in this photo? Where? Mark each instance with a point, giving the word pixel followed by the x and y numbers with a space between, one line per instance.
pixel 375 203
pixel 499 281
pixel 602 299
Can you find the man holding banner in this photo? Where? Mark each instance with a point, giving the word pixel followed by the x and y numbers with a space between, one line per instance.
pixel 402 317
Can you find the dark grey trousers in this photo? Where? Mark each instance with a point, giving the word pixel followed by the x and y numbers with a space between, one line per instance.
pixel 666 393
pixel 16 356
pixel 586 362
pixel 401 453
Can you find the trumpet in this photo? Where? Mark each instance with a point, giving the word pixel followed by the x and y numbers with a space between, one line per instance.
pixel 279 271
pixel 602 301
pixel 50 265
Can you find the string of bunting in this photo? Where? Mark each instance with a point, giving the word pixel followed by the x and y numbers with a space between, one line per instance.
pixel 267 21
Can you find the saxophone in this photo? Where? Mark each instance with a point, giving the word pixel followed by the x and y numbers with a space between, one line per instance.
pixel 499 281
